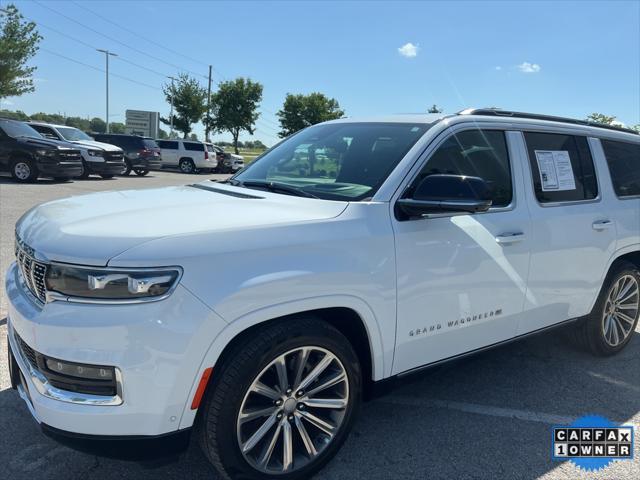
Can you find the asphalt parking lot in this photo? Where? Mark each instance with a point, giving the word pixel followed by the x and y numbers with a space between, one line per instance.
pixel 485 417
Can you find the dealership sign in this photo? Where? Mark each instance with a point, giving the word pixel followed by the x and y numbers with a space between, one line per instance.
pixel 140 122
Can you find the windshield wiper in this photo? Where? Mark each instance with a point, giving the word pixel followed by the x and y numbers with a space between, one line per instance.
pixel 273 187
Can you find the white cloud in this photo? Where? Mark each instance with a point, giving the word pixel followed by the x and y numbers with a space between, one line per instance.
pixel 526 67
pixel 498 68
pixel 408 50
pixel 6 102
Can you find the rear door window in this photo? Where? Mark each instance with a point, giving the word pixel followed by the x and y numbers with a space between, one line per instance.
pixel 194 147
pixel 46 132
pixel 167 144
pixel 562 167
pixel 624 165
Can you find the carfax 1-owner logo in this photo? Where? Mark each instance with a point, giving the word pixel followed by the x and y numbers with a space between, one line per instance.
pixel 592 442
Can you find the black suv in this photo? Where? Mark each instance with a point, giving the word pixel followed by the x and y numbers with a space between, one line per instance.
pixel 27 155
pixel 141 154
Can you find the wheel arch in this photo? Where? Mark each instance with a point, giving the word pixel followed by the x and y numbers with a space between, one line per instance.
pixel 354 322
pixel 630 253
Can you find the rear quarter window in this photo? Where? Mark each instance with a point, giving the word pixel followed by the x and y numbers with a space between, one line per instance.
pixel 568 174
pixel 623 159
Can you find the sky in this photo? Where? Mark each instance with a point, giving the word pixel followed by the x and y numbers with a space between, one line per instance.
pixel 551 57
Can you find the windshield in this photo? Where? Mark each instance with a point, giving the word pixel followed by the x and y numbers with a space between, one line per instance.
pixel 339 161
pixel 18 129
pixel 73 134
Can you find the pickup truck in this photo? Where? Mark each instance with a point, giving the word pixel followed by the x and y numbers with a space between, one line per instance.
pixel 257 313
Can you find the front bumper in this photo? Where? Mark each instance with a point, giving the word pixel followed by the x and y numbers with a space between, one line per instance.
pixel 60 169
pixel 157 348
pixel 106 167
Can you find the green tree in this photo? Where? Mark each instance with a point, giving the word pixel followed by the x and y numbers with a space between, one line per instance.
pixel 162 135
pixel 234 107
pixel 601 118
pixel 434 109
pixel 17 115
pixel 18 44
pixel 97 125
pixel 636 127
pixel 55 118
pixel 116 127
pixel 193 136
pixel 189 103
pixel 300 111
pixel 77 122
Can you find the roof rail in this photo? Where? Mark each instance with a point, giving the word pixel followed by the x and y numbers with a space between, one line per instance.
pixel 536 116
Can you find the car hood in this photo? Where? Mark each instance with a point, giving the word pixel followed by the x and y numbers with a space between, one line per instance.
pixel 44 142
pixel 92 229
pixel 97 145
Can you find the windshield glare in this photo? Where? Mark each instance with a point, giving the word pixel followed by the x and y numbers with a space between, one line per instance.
pixel 73 134
pixel 18 129
pixel 340 161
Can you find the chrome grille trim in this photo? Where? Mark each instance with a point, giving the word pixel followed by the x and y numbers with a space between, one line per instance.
pixel 32 272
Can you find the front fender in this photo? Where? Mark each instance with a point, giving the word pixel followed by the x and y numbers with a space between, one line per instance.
pixel 381 353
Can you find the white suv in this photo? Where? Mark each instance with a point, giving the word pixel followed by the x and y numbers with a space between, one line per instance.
pixel 189 156
pixel 257 312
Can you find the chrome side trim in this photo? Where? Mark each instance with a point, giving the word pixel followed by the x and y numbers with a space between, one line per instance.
pixel 46 389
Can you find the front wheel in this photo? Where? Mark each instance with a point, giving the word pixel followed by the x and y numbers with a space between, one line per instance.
pixel 282 403
pixel 610 325
pixel 187 166
pixel 24 170
pixel 141 172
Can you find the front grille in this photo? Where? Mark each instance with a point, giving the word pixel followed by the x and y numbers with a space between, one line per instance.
pixel 114 156
pixel 32 272
pixel 69 155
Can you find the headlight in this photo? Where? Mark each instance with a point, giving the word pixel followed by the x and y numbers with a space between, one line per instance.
pixel 46 153
pixel 111 284
pixel 95 153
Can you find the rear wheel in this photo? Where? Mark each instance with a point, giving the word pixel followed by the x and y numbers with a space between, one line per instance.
pixel 283 402
pixel 24 170
pixel 187 166
pixel 141 172
pixel 610 325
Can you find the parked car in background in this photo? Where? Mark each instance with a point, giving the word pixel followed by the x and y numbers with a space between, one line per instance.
pixel 228 162
pixel 141 154
pixel 27 155
pixel 188 155
pixel 98 158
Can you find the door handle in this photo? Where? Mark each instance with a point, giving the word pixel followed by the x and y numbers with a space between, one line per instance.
pixel 508 238
pixel 602 225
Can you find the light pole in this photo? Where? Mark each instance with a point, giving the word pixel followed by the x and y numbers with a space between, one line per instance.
pixel 171 113
pixel 107 54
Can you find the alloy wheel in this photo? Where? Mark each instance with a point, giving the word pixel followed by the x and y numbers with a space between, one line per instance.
pixel 621 310
pixel 293 410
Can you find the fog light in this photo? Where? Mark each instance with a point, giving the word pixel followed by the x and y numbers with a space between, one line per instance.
pixel 79 370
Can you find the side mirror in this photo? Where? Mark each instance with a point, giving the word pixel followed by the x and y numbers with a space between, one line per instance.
pixel 446 194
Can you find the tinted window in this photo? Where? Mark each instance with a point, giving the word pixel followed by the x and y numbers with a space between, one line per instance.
pixel 474 153
pixel 624 164
pixel 18 129
pixel 44 131
pixel 562 167
pixel 149 143
pixel 195 147
pixel 167 144
pixel 338 161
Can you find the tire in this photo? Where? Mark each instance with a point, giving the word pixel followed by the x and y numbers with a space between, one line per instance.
pixel 24 170
pixel 127 169
pixel 187 166
pixel 141 172
pixel 609 328
pixel 85 172
pixel 219 431
pixel 107 176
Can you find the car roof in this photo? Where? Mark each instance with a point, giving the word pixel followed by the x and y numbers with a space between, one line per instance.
pixel 45 124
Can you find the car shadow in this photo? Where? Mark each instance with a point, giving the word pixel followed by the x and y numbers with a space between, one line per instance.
pixel 405 434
